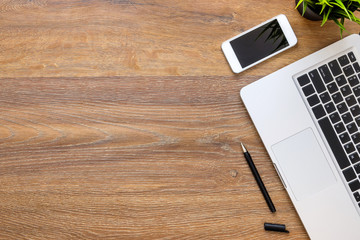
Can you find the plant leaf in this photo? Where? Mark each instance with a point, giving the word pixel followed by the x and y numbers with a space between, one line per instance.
pixel 298 4
pixel 326 17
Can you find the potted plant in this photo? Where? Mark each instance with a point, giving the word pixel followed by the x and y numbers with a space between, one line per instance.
pixel 324 10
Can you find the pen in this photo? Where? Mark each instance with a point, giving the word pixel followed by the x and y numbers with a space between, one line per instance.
pixel 275 227
pixel 258 179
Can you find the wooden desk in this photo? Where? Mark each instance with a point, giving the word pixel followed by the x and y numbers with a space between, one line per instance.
pixel 122 120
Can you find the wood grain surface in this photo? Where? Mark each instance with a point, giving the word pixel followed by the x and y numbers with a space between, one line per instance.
pixel 120 119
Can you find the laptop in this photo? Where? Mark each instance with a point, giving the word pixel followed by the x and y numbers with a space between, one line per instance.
pixel 308 117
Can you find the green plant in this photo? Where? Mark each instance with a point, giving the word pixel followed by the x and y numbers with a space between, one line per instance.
pixel 336 10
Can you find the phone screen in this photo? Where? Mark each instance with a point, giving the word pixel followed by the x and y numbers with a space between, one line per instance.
pixel 259 43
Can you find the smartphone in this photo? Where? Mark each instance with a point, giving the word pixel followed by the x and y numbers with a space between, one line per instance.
pixel 259 43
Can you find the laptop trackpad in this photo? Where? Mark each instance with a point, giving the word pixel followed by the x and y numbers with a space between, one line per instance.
pixel 303 164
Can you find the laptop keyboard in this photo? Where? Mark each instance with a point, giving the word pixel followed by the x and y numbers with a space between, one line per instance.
pixel 333 95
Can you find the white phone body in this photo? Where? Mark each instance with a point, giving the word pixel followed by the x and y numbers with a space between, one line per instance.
pixel 253 46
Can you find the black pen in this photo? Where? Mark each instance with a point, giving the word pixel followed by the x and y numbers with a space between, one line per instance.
pixel 258 179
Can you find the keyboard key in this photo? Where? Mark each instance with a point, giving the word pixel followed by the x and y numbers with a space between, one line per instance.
pixel 357 91
pixel 330 107
pixel 357 168
pixel 344 137
pixel 337 97
pixel 356 67
pixel 348 70
pixel 334 143
pixel 357 120
pixel 347 118
pixel 332 87
pixel 349 174
pixel 357 196
pixel 350 100
pixel 318 111
pixel 349 147
pixel 356 138
pixel 334 67
pixel 342 108
pixel 352 128
pixel 355 110
pixel 316 80
pixel 341 80
pixel 325 74
pixel 352 56
pixel 303 80
pixel 354 158
pixel 343 60
pixel 308 90
pixel 355 185
pixel 345 90
pixel 335 118
pixel 313 100
pixel 339 127
pixel 353 80
pixel 325 97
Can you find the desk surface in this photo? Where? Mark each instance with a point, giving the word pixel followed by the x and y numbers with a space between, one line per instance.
pixel 122 120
